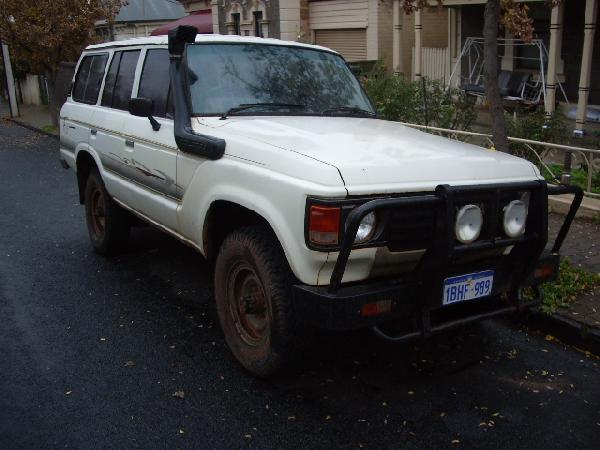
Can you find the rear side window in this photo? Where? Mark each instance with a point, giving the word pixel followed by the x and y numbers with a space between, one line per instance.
pixel 119 80
pixel 89 78
pixel 155 82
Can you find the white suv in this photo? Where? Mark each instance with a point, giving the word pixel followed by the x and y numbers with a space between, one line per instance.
pixel 268 158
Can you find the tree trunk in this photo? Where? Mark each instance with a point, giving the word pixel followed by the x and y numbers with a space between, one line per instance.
pixel 491 20
pixel 53 102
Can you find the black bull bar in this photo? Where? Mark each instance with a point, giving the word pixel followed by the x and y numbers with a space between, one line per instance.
pixel 418 293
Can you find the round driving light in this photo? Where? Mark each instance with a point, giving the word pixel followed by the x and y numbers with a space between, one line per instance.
pixel 468 223
pixel 365 229
pixel 515 216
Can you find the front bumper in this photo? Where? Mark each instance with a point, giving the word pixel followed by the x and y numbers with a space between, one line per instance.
pixel 418 295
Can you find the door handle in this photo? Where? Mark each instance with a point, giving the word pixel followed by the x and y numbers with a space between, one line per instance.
pixel 129 143
pixel 72 127
pixel 94 132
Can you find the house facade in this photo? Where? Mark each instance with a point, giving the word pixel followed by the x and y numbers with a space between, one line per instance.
pixel 361 30
pixel 429 42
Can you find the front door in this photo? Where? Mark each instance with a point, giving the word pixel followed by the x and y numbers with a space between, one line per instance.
pixel 154 153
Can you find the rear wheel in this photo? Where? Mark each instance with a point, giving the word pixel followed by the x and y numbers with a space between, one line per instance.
pixel 253 291
pixel 108 224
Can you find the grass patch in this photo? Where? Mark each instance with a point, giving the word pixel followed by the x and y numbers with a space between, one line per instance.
pixel 578 177
pixel 572 282
pixel 50 129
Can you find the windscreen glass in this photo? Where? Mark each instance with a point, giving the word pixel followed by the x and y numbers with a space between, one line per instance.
pixel 223 76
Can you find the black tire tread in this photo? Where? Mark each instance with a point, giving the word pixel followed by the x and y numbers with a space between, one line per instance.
pixel 290 338
pixel 118 221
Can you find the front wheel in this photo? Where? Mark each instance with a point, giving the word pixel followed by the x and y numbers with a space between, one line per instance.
pixel 253 292
pixel 108 224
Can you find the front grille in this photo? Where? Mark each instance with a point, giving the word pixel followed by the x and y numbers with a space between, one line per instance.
pixel 410 228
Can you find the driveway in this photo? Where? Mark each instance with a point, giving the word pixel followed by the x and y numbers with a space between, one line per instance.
pixel 127 352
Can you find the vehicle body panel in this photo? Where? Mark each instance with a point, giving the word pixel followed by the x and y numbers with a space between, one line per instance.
pixel 271 165
pixel 378 156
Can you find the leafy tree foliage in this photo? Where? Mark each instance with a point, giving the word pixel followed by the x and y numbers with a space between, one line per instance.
pixel 43 33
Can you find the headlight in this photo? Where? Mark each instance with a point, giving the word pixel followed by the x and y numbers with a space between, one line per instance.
pixel 468 223
pixel 515 216
pixel 365 229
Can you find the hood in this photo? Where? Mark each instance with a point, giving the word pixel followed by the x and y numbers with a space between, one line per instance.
pixel 378 156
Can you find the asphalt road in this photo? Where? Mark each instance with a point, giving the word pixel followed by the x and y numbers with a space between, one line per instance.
pixel 93 349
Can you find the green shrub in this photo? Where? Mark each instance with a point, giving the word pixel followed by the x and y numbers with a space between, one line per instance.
pixel 419 102
pixel 579 177
pixel 534 125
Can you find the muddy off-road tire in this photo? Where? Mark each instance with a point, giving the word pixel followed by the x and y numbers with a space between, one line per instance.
pixel 254 302
pixel 108 224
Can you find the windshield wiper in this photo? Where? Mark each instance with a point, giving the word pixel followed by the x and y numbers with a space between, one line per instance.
pixel 349 109
pixel 245 106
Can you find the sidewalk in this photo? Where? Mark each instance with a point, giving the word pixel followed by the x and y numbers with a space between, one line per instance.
pixel 589 209
pixel 582 246
pixel 577 324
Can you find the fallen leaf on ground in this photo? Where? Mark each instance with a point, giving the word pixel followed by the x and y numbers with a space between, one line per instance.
pixel 129 364
pixel 178 394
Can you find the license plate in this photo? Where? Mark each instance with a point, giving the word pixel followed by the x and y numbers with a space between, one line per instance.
pixel 468 287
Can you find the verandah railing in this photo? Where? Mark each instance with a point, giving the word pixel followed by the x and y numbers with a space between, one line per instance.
pixel 545 152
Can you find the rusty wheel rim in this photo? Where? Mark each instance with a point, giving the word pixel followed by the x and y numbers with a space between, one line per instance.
pixel 98 213
pixel 248 305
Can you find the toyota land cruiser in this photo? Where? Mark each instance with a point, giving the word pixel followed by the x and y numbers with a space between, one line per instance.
pixel 269 158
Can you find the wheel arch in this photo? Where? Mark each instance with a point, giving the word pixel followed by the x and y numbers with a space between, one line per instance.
pixel 84 163
pixel 223 217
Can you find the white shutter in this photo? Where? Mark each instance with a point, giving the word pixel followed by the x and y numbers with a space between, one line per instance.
pixel 351 44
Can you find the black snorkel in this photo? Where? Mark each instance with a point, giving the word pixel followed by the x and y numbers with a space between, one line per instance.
pixel 187 140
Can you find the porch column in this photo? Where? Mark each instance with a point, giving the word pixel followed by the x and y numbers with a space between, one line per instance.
pixel 397 58
pixel 591 7
pixel 508 60
pixel 10 82
pixel 418 45
pixel 451 53
pixel 556 19
pixel 214 7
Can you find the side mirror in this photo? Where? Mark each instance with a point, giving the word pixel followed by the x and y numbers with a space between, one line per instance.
pixel 144 107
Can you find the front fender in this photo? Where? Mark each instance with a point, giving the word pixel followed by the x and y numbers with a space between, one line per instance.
pixel 278 198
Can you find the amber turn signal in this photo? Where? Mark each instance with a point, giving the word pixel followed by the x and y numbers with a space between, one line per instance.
pixel 324 224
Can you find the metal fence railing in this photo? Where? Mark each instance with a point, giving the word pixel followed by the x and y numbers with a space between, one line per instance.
pixel 546 153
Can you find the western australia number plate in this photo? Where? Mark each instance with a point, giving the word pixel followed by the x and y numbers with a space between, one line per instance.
pixel 468 287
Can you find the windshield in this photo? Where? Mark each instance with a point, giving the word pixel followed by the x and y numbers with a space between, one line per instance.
pixel 224 76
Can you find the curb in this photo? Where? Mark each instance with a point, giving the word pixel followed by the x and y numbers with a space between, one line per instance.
pixel 33 128
pixel 566 330
pixel 560 204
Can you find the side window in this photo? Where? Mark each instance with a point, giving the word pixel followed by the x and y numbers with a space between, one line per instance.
pixel 111 76
pixel 119 80
pixel 155 82
pixel 89 78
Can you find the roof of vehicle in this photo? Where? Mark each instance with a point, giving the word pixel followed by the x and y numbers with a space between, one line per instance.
pixel 218 38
